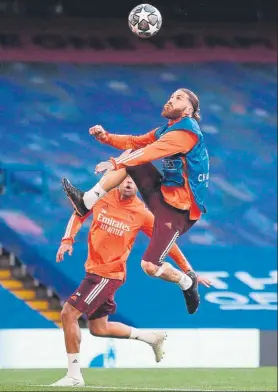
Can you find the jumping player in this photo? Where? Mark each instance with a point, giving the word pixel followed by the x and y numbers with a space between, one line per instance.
pixel 117 219
pixel 176 198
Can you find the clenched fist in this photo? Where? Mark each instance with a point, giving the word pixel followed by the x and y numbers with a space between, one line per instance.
pixel 98 132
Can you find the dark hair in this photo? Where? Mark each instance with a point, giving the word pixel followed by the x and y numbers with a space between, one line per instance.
pixel 194 100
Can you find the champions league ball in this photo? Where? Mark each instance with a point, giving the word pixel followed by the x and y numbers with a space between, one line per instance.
pixel 145 20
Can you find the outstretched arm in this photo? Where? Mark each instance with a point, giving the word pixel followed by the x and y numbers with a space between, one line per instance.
pixel 122 142
pixel 169 144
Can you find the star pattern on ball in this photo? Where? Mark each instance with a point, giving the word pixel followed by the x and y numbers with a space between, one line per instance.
pixel 143 15
pixel 152 29
pixel 141 19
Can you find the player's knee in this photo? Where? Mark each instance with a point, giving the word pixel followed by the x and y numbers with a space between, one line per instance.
pixel 68 313
pixel 99 331
pixel 149 268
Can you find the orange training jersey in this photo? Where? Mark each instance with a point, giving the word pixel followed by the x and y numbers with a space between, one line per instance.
pixel 115 225
pixel 149 149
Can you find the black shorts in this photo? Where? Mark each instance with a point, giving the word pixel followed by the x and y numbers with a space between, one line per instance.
pixel 169 222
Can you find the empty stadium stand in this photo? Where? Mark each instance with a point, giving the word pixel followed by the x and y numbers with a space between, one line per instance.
pixel 48 138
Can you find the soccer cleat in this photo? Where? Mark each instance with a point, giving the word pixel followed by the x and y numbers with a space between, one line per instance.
pixel 69 382
pixel 75 196
pixel 191 295
pixel 158 345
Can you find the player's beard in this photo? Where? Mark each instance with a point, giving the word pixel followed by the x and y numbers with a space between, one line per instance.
pixel 170 114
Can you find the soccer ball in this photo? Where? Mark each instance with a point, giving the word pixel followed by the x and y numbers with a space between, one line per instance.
pixel 145 20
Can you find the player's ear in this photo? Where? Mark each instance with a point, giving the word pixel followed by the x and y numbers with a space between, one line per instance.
pixel 189 111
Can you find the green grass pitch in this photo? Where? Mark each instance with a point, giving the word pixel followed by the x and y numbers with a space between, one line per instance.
pixel 262 379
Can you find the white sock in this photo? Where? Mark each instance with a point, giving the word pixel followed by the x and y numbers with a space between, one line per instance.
pixel 143 336
pixel 186 282
pixel 93 195
pixel 74 366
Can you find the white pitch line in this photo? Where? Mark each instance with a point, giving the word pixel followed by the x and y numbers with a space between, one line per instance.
pixel 144 389
pixel 152 389
pixel 94 387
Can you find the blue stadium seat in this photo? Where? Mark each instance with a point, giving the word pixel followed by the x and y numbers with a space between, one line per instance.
pixel 44 120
